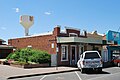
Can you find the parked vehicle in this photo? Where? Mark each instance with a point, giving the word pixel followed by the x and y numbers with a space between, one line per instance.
pixel 116 61
pixel 90 60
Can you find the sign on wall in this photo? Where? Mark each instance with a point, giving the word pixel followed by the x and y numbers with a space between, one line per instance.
pixel 52 45
pixel 113 36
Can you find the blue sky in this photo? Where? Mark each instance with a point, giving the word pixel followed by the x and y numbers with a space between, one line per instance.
pixel 90 15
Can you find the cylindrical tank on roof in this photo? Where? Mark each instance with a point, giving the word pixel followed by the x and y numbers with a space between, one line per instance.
pixel 26 21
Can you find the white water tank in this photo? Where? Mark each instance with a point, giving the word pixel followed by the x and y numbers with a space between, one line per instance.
pixel 26 21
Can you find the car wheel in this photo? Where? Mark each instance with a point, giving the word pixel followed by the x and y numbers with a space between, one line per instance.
pixel 82 70
pixel 118 64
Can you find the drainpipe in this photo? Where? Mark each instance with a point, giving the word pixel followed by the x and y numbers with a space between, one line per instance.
pixel 56 57
pixel 56 54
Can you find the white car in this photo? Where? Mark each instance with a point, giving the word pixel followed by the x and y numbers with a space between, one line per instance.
pixel 90 60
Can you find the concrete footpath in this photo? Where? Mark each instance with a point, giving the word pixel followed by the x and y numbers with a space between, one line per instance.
pixel 8 72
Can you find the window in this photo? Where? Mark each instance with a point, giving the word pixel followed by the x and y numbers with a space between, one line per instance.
pixel 104 41
pixel 64 53
pixel 73 35
pixel 31 18
pixel 83 33
pixel 115 42
pixel 91 55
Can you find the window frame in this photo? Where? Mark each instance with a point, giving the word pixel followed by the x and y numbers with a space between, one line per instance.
pixel 63 53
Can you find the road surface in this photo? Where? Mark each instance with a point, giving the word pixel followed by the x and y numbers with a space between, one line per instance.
pixel 112 73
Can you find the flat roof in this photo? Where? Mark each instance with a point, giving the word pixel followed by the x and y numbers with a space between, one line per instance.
pixel 34 35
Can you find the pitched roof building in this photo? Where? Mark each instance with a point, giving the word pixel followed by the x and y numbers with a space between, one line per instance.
pixel 5 50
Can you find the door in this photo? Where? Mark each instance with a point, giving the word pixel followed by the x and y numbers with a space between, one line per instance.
pixel 73 56
pixel 53 59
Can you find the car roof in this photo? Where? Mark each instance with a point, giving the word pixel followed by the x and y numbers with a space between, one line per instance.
pixel 91 51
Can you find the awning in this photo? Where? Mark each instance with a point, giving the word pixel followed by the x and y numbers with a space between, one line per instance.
pixel 79 40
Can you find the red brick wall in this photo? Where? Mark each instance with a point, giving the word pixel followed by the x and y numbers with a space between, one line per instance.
pixel 37 42
pixel 56 31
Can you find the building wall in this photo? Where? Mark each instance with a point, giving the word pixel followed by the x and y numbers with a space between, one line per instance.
pixel 95 46
pixel 92 47
pixel 43 42
pixel 37 42
pixel 89 47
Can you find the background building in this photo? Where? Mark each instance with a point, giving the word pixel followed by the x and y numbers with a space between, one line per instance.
pixel 5 50
pixel 112 40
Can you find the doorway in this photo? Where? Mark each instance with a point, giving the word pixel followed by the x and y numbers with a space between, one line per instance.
pixel 81 50
pixel 73 56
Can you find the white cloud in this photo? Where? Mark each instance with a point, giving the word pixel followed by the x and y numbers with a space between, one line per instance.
pixel 47 13
pixel 16 10
pixel 3 28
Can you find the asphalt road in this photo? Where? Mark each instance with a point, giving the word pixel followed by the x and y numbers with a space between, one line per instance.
pixel 112 73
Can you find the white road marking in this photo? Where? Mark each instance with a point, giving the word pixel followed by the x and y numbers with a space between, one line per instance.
pixel 104 76
pixel 60 74
pixel 43 77
pixel 60 78
pixel 78 75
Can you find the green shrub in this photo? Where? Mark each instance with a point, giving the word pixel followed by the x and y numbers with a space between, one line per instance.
pixel 41 57
pixel 30 55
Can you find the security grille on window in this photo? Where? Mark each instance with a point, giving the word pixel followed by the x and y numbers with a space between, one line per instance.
pixel 64 55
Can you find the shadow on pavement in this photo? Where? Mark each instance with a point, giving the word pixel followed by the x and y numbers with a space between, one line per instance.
pixel 95 72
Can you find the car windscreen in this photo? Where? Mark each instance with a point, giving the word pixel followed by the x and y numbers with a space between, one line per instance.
pixel 91 55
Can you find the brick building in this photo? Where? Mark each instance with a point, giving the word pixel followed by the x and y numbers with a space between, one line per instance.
pixel 65 46
pixel 5 50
